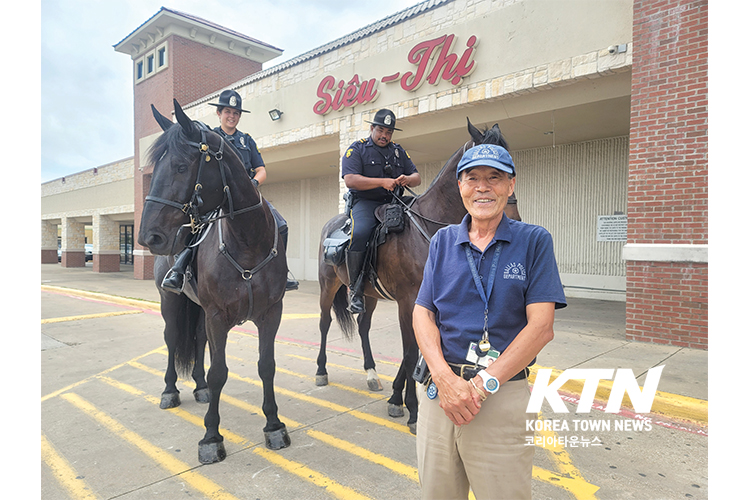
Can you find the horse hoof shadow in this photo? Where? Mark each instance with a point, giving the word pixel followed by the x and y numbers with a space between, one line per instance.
pixel 395 411
pixel 202 395
pixel 321 380
pixel 210 453
pixel 169 400
pixel 278 439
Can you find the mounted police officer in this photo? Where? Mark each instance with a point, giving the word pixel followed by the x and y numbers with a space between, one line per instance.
pixel 229 110
pixel 373 169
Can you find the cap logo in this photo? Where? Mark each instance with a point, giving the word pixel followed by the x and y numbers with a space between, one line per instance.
pixel 233 101
pixel 484 153
pixel 387 119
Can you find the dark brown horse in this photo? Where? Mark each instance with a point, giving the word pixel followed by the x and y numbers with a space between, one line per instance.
pixel 399 268
pixel 240 265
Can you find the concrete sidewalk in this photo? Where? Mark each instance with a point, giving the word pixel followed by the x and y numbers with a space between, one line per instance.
pixel 588 334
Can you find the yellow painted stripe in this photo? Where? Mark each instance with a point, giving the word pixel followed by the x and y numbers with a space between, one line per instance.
pixel 331 406
pixel 341 367
pixel 304 472
pixel 395 466
pixel 172 465
pixel 333 384
pixel 570 478
pixel 665 404
pixel 185 415
pixel 64 473
pixel 296 468
pixel 224 397
pixel 88 316
pixel 108 370
pixel 300 316
pixel 113 299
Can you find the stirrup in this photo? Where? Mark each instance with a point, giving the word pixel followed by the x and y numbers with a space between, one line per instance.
pixel 358 308
pixel 167 284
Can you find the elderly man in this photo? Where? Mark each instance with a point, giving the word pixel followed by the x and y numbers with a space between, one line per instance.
pixel 484 311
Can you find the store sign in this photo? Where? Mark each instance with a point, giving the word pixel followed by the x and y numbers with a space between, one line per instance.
pixel 612 228
pixel 433 61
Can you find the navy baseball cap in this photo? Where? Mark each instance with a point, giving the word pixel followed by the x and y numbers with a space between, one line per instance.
pixel 488 155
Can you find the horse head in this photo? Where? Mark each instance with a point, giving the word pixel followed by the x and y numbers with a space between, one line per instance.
pixel 185 185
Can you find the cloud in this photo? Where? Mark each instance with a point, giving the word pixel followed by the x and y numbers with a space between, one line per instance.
pixel 86 87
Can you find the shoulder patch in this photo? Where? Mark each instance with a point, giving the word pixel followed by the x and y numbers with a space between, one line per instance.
pixel 349 152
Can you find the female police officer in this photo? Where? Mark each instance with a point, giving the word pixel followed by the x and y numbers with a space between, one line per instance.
pixel 229 111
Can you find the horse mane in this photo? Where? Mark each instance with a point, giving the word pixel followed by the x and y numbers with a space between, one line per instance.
pixel 489 135
pixel 173 140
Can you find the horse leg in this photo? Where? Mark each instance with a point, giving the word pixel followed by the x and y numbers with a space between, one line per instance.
pixel 365 321
pixel 211 447
pixel 172 311
pixel 275 431
pixel 403 380
pixel 200 393
pixel 328 291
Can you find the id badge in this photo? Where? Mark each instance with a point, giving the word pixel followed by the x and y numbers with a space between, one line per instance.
pixel 484 361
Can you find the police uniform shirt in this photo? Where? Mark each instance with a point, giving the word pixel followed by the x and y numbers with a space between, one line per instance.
pixel 246 148
pixel 526 273
pixel 365 158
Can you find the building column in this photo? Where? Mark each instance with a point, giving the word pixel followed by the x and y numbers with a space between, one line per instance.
pixel 106 236
pixel 667 248
pixel 351 129
pixel 72 243
pixel 49 243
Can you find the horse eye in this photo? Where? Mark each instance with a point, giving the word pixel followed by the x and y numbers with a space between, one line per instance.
pixel 182 168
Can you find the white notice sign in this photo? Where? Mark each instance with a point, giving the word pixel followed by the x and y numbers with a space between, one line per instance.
pixel 612 228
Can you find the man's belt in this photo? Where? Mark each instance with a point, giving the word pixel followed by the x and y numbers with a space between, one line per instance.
pixel 468 372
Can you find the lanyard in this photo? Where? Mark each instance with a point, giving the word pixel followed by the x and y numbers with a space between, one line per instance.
pixel 490 283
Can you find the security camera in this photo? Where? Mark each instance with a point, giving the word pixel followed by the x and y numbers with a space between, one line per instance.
pixel 612 49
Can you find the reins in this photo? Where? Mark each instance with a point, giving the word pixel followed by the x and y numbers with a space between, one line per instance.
pixel 201 223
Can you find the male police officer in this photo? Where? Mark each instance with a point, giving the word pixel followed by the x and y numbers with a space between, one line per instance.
pixel 372 168
pixel 229 110
pixel 485 309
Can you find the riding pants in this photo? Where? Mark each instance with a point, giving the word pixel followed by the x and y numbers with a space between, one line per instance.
pixel 363 223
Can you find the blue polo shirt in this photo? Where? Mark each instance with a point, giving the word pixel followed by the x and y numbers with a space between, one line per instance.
pixel 526 273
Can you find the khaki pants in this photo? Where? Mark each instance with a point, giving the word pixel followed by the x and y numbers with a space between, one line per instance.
pixel 491 454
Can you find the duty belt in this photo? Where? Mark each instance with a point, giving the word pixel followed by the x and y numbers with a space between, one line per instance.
pixel 468 372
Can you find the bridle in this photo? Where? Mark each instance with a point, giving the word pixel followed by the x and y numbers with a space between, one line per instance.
pixel 193 207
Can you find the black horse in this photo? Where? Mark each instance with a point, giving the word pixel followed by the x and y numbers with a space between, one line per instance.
pixel 399 268
pixel 240 268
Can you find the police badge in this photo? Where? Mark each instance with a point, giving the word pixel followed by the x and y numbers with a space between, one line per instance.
pixel 233 101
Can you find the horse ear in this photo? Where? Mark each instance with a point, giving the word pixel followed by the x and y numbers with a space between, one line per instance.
pixel 162 120
pixel 474 132
pixel 500 137
pixel 185 122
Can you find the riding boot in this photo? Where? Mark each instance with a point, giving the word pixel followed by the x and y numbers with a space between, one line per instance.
pixel 291 282
pixel 355 265
pixel 174 281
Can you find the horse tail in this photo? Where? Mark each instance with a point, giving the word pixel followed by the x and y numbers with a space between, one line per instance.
pixel 344 318
pixel 187 340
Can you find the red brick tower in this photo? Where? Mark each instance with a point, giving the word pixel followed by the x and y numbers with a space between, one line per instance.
pixel 176 55
pixel 667 249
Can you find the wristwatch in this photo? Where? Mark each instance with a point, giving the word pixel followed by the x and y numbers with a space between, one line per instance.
pixel 489 382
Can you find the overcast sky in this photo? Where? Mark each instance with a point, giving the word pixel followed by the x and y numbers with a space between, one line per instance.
pixel 86 87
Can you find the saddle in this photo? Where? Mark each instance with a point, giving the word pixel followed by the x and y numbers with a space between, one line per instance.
pixel 392 221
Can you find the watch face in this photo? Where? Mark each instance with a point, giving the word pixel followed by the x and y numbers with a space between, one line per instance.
pixel 491 385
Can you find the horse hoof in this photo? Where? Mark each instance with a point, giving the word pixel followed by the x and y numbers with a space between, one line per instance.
pixel 395 411
pixel 278 439
pixel 413 428
pixel 374 384
pixel 169 400
pixel 202 395
pixel 210 453
pixel 321 380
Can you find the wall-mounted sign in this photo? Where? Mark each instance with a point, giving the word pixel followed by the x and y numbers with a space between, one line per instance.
pixel 611 228
pixel 434 61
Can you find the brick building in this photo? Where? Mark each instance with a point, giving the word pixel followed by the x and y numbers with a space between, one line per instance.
pixel 607 125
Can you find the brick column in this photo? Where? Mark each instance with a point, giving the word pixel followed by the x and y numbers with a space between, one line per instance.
pixel 667 248
pixel 49 243
pixel 106 235
pixel 73 239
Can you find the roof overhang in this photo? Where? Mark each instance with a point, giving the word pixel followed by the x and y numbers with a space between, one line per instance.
pixel 168 22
